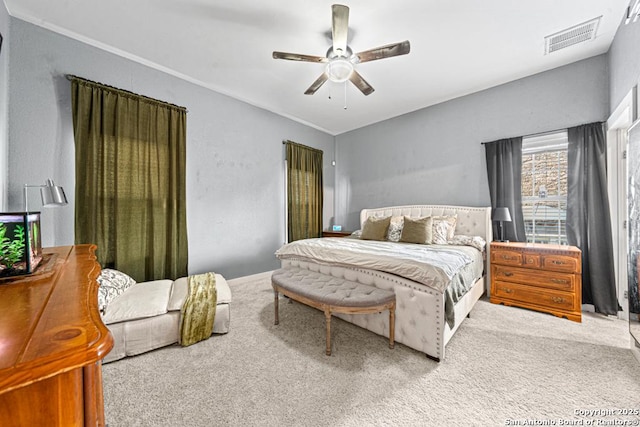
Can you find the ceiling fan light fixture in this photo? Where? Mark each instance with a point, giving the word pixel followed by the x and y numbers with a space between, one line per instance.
pixel 339 70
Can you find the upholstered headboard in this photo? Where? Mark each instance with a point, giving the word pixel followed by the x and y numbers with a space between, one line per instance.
pixel 472 221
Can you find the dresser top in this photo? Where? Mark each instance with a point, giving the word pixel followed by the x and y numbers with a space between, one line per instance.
pixel 539 247
pixel 49 323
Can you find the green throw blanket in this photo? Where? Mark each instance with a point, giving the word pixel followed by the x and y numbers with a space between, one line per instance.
pixel 199 309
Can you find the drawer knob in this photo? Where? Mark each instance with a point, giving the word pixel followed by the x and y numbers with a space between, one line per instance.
pixel 508 273
pixel 563 281
pixel 558 300
pixel 557 262
pixel 508 257
pixel 506 290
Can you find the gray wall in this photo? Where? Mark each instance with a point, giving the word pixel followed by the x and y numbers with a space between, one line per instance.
pixel 4 104
pixel 435 156
pixel 624 62
pixel 235 180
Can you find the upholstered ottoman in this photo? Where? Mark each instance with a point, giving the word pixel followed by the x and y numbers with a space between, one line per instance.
pixel 146 315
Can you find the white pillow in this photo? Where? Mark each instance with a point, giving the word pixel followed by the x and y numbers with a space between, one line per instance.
pixel 474 241
pixel 444 228
pixel 112 283
pixel 395 228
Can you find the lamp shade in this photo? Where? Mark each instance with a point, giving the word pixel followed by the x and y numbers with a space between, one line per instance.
pixel 501 214
pixel 52 195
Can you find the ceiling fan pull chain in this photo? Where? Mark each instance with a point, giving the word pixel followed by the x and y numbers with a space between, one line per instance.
pixel 345 95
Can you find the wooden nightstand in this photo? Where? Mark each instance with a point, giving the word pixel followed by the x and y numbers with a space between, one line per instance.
pixel 336 233
pixel 538 276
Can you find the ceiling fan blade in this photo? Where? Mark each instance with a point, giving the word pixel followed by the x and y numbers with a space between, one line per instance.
pixel 387 51
pixel 298 57
pixel 340 28
pixel 317 84
pixel 361 83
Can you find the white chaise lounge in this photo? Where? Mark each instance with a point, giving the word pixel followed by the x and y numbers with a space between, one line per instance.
pixel 146 316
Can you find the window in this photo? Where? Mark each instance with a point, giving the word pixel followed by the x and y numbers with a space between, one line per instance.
pixel 544 187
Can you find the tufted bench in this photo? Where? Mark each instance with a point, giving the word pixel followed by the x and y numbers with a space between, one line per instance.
pixel 332 295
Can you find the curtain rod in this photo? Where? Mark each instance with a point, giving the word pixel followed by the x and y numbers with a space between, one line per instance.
pixel 538 133
pixel 71 77
pixel 529 135
pixel 301 145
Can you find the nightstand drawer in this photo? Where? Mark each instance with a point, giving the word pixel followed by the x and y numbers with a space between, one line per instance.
pixel 505 257
pixel 561 263
pixel 535 296
pixel 550 280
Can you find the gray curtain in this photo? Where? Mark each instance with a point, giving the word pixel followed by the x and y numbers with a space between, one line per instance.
pixel 588 219
pixel 504 170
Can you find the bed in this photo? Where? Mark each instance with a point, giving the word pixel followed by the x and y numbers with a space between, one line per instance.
pixel 431 305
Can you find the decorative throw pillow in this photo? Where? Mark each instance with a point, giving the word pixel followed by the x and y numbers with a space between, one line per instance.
pixel 418 230
pixel 474 241
pixel 395 228
pixel 375 228
pixel 444 228
pixel 112 283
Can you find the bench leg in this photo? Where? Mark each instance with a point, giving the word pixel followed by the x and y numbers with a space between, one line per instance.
pixel 327 315
pixel 392 326
pixel 275 304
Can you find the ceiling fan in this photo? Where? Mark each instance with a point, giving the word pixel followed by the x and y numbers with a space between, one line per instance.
pixel 340 59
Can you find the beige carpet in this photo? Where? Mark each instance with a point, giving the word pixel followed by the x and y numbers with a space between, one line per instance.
pixel 503 364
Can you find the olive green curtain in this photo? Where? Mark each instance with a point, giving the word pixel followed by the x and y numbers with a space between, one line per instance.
pixel 304 191
pixel 130 180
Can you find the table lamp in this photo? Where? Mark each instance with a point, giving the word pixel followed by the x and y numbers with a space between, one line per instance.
pixel 52 195
pixel 501 215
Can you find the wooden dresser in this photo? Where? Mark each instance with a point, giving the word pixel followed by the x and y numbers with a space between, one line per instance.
pixel 537 276
pixel 52 341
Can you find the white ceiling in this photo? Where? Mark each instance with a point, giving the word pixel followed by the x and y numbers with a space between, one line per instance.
pixel 457 47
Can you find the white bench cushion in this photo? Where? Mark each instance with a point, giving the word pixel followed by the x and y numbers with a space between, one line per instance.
pixel 145 299
pixel 180 288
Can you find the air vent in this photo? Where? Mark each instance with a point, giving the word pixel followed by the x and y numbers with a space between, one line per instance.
pixel 571 36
